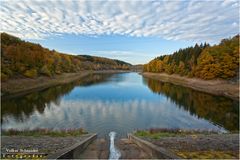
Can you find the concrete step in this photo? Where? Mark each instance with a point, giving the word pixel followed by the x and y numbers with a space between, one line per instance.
pixel 99 149
pixel 130 150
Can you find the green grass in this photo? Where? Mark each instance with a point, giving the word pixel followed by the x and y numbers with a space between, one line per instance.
pixel 157 135
pixel 44 132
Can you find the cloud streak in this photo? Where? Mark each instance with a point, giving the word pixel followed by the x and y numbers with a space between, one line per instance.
pixel 127 56
pixel 172 20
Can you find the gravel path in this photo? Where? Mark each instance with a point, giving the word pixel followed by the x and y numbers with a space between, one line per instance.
pixel 44 144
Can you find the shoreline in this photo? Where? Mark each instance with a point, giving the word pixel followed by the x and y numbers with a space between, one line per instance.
pixel 22 86
pixel 215 87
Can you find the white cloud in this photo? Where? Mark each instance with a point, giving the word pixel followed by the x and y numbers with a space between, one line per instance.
pixel 127 56
pixel 184 20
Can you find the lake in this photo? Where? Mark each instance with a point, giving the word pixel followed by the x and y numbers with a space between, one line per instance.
pixel 121 102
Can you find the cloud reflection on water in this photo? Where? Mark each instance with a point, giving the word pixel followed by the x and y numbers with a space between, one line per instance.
pixel 104 116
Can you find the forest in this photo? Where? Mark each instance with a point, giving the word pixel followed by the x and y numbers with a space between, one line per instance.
pixel 201 61
pixel 24 59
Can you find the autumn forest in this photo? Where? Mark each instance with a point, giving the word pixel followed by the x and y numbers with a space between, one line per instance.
pixel 202 61
pixel 25 59
pixel 20 58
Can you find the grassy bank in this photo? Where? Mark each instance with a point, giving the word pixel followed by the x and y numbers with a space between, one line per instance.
pixel 21 86
pixel 215 87
pixel 44 132
pixel 161 133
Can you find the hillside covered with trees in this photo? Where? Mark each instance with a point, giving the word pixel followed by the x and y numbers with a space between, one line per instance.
pixel 25 59
pixel 202 61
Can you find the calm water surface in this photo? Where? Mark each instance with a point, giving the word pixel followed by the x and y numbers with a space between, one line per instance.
pixel 119 102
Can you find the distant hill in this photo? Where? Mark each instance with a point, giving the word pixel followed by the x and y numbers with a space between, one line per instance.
pixel 202 61
pixel 137 68
pixel 102 60
pixel 25 59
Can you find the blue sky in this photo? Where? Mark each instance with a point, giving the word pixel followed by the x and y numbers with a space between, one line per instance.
pixel 133 31
pixel 136 50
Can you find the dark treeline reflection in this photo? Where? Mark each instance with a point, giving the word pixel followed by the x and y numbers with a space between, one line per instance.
pixel 26 105
pixel 219 110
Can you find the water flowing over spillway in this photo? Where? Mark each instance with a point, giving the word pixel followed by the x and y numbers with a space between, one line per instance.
pixel 114 152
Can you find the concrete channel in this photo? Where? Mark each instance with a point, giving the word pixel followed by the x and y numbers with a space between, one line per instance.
pixel 73 151
pixel 97 148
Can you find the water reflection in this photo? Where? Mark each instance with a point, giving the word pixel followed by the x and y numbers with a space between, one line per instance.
pixel 104 116
pixel 120 102
pixel 37 101
pixel 219 110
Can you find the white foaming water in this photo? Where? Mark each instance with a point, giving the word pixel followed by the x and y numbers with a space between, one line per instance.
pixel 114 152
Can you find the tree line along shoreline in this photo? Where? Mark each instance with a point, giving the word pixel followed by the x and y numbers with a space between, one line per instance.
pixel 25 59
pixel 21 59
pixel 26 62
pixel 202 61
